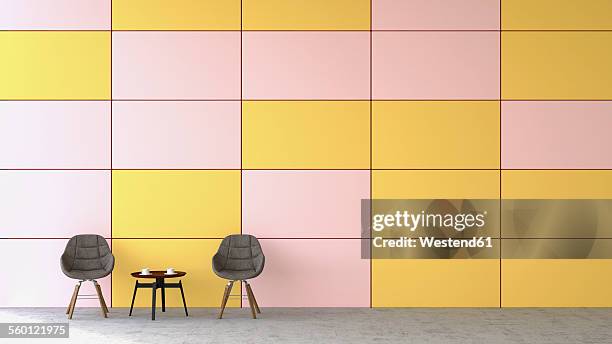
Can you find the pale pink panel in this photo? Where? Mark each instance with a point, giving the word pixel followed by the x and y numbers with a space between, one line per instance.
pixel 176 65
pixel 188 134
pixel 36 278
pixel 556 134
pixel 435 65
pixel 55 14
pixel 54 204
pixel 435 14
pixel 54 134
pixel 313 273
pixel 306 65
pixel 304 204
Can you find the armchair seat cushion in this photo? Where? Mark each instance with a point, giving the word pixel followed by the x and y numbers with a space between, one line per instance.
pixel 237 275
pixel 87 274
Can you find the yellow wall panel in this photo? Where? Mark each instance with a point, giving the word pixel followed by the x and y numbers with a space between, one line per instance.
pixel 306 134
pixel 202 287
pixel 541 184
pixel 203 204
pixel 176 15
pixel 55 65
pixel 556 65
pixel 424 184
pixel 306 15
pixel 435 283
pixel 415 134
pixel 556 283
pixel 556 15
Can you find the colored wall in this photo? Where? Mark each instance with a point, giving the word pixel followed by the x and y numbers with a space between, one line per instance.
pixel 166 125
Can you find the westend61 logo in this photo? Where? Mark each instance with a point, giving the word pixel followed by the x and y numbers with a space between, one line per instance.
pixel 405 220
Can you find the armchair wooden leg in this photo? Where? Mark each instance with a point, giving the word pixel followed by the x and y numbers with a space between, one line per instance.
pixel 249 289
pixel 74 299
pixel 101 299
pixel 251 299
pixel 226 294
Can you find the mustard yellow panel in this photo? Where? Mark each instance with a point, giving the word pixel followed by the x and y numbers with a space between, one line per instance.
pixel 176 15
pixel 306 15
pixel 540 184
pixel 556 14
pixel 556 282
pixel 202 287
pixel 556 65
pixel 425 184
pixel 431 134
pixel 435 283
pixel 153 204
pixel 306 134
pixel 55 65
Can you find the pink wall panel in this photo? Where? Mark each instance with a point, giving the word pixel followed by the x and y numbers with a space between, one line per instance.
pixel 55 14
pixel 54 134
pixel 176 65
pixel 306 65
pixel 435 65
pixel 176 134
pixel 36 279
pixel 435 14
pixel 556 134
pixel 54 204
pixel 303 204
pixel 313 273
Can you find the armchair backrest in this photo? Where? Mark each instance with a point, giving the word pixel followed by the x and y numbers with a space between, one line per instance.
pixel 86 252
pixel 239 252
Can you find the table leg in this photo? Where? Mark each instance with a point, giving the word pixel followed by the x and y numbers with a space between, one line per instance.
pixel 133 297
pixel 163 295
pixel 183 296
pixel 154 294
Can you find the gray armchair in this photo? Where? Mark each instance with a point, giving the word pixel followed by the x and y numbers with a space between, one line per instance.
pixel 87 257
pixel 239 258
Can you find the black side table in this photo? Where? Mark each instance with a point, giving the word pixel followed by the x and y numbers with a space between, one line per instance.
pixel 160 283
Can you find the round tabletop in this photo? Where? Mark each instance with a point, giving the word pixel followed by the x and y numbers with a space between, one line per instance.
pixel 159 274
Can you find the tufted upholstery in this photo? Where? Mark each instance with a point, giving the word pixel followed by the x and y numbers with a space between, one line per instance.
pixel 87 257
pixel 239 258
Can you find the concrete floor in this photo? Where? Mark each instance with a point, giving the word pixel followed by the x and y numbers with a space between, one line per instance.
pixel 327 325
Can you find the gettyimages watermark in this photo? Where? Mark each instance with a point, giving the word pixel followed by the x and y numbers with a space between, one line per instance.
pixel 480 228
pixel 430 228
